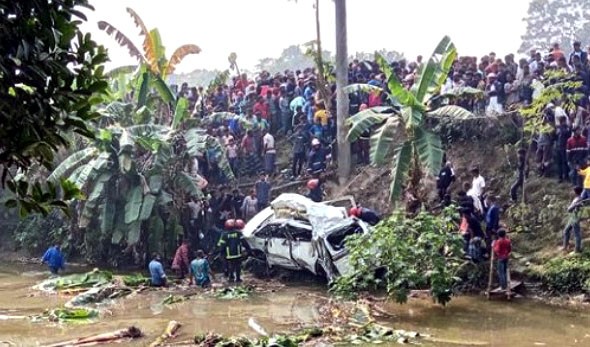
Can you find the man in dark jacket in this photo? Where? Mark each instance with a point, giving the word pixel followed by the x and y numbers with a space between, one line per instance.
pixel 563 133
pixel 446 176
pixel 299 140
pixel 316 162
pixel 365 214
pixel 578 51
pixel 520 172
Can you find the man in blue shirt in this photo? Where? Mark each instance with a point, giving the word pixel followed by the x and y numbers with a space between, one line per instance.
pixel 158 277
pixel 54 259
pixel 200 270
pixel 492 220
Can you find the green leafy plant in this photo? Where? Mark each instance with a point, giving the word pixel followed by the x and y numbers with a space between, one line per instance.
pixel 558 85
pixel 566 275
pixel 136 280
pixel 136 177
pixel 85 280
pixel 401 130
pixel 154 66
pixel 404 253
pixel 52 75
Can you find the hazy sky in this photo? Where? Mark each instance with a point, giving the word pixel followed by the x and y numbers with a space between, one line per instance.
pixel 255 29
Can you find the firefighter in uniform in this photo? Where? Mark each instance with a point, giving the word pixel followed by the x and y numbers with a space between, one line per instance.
pixel 231 244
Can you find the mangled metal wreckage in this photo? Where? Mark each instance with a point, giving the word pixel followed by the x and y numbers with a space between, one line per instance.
pixel 298 234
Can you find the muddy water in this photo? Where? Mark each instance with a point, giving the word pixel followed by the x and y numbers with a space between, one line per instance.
pixel 467 321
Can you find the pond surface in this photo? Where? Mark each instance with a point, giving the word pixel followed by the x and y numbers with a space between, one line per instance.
pixel 466 321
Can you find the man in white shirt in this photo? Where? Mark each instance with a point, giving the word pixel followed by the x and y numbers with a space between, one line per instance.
pixel 477 187
pixel 270 153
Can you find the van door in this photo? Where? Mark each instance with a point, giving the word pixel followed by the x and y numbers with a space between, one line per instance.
pixel 277 248
pixel 301 248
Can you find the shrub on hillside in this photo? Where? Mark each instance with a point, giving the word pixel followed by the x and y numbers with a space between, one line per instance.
pixel 567 275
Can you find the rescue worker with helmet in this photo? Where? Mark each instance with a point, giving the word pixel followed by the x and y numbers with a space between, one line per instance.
pixel 230 244
pixel 316 160
pixel 365 214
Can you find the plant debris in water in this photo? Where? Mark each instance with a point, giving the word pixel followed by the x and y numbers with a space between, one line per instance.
pixel 136 280
pixel 174 299
pixel 93 278
pixel 232 293
pixel 65 315
pixel 294 340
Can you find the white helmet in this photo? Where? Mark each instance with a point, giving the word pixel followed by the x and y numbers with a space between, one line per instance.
pixel 315 142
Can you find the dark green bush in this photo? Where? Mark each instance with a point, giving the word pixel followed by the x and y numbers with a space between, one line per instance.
pixel 567 275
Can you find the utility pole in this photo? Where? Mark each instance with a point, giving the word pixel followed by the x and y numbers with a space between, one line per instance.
pixel 344 156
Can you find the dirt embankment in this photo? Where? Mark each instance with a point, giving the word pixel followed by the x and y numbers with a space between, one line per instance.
pixel 534 227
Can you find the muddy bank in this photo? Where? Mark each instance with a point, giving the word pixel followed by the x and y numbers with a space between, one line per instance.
pixel 519 323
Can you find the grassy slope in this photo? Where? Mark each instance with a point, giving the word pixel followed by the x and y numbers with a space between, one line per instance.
pixel 535 227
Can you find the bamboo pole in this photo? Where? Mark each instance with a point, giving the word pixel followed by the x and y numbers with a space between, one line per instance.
pixel 490 277
pixel 171 329
pixel 116 336
pixel 508 280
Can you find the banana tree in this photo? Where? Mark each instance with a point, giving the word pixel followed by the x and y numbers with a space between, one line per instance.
pixel 155 67
pixel 136 178
pixel 400 131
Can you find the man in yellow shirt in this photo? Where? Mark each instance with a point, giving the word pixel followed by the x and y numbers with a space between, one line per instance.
pixel 321 115
pixel 586 173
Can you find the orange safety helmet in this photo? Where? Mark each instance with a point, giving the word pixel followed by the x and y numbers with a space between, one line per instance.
pixel 355 211
pixel 240 224
pixel 313 184
pixel 230 224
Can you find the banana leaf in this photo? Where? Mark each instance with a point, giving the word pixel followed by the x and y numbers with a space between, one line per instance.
pixel 71 163
pixel 136 280
pixel 147 207
pixel 133 205
pixel 71 315
pixel 84 280
pixel 122 40
pixel 107 216
pixel 180 113
pixel 133 232
pixel 179 54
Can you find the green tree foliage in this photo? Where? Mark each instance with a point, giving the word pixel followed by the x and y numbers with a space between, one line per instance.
pixel 415 253
pixel 292 58
pixel 402 130
pixel 388 55
pixel 137 178
pixel 557 85
pixel 198 77
pixel 567 275
pixel 556 21
pixel 51 75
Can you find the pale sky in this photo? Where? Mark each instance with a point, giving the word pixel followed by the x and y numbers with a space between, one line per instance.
pixel 256 29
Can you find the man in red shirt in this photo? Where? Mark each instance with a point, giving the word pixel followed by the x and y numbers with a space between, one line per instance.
pixel 577 153
pixel 502 249
pixel 261 108
pixel 181 262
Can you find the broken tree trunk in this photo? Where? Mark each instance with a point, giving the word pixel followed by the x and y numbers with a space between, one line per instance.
pixel 112 337
pixel 171 329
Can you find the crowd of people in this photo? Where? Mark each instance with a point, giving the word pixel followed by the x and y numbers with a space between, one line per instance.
pixel 262 109
pixel 249 116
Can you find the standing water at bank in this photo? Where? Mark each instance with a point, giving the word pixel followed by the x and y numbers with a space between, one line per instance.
pixel 466 321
